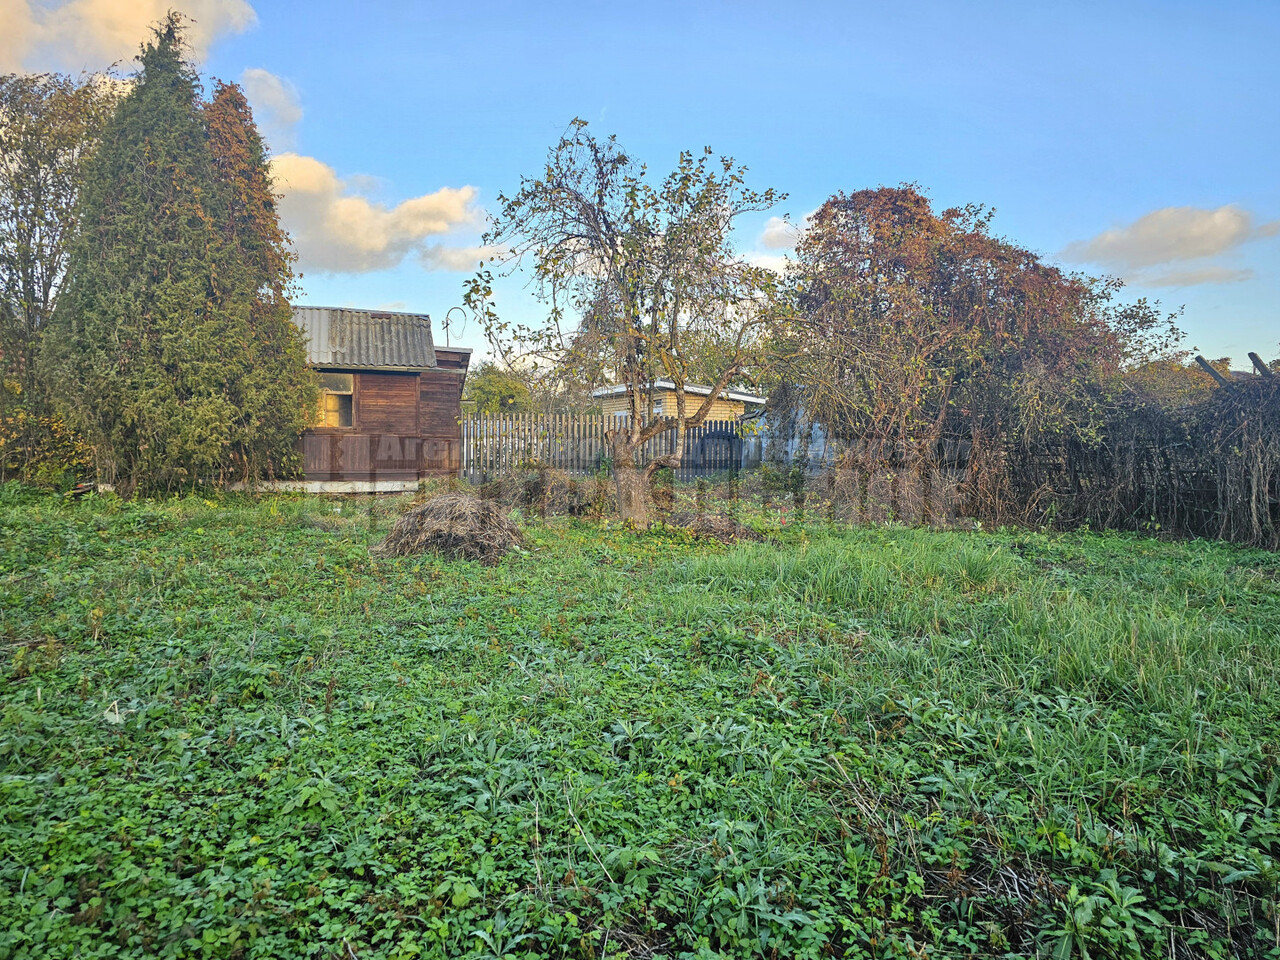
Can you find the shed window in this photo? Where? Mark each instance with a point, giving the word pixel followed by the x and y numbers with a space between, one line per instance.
pixel 336 390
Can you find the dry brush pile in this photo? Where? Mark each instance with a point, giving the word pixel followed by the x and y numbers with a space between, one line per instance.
pixel 711 526
pixel 545 491
pixel 457 526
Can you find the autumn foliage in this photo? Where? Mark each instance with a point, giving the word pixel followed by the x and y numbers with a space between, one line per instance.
pixel 920 338
pixel 49 128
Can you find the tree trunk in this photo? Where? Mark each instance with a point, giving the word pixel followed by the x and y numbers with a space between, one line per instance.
pixel 633 490
pixel 926 471
pixel 864 490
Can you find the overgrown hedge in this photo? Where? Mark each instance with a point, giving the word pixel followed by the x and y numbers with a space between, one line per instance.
pixel 1211 469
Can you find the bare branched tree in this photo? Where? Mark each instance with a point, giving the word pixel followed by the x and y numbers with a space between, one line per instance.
pixel 641 282
pixel 49 126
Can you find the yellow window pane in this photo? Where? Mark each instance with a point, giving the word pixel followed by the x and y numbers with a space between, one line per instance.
pixel 337 382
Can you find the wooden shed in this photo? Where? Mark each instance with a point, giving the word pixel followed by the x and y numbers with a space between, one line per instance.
pixel 390 403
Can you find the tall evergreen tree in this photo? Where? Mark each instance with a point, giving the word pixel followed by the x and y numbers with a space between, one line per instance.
pixel 273 390
pixel 152 351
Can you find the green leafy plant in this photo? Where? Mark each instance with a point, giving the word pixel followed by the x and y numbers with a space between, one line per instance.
pixel 227 731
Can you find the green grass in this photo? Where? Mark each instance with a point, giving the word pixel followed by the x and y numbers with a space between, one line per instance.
pixel 226 731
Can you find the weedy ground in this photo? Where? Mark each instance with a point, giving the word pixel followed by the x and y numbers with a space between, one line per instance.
pixel 227 731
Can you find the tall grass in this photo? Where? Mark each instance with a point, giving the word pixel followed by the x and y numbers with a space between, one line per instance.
pixel 973 613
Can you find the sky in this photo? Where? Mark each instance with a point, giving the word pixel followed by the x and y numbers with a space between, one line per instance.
pixel 1137 140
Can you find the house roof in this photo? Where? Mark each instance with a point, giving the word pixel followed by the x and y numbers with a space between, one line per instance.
pixel 691 388
pixel 366 339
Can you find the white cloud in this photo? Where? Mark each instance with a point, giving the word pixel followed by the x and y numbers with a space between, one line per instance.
pixel 776 262
pixel 1191 278
pixel 440 257
pixel 276 105
pixel 93 34
pixel 779 234
pixel 336 230
pixel 17 35
pixel 1168 235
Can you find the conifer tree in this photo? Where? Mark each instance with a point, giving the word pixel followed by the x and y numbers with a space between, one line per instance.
pixel 156 352
pixel 273 390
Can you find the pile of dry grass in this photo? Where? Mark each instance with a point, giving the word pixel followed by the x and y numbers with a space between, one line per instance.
pixel 455 525
pixel 543 491
pixel 710 526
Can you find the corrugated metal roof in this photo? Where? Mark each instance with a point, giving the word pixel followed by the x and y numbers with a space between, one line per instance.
pixel 366 339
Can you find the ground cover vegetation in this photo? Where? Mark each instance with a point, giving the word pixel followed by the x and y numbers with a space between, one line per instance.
pixel 227 731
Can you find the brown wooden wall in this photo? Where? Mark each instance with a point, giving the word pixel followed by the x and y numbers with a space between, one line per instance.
pixel 404 426
pixel 448 359
pixel 387 403
pixel 439 413
pixel 343 455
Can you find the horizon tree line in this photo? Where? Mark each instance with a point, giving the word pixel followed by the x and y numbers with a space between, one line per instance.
pixel 147 337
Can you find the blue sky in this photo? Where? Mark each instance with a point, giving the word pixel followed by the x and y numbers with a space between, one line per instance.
pixel 1138 139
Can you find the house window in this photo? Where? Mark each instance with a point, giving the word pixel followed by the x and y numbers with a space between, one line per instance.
pixel 336 390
